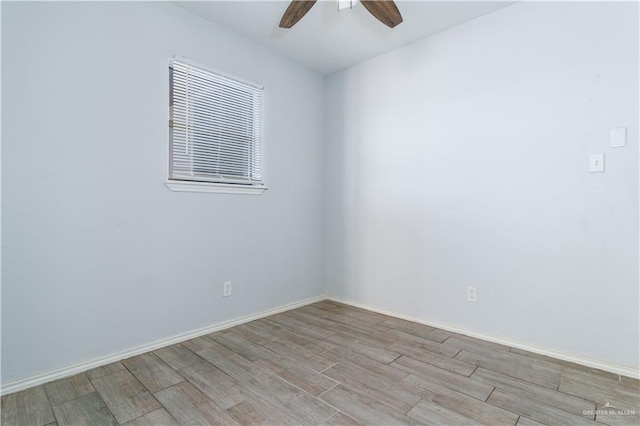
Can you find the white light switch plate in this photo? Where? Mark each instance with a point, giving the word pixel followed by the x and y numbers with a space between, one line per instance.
pixel 618 137
pixel 596 163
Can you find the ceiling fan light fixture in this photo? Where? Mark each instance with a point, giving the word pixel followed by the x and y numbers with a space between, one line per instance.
pixel 384 11
pixel 346 4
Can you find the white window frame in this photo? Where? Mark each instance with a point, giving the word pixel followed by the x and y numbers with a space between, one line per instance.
pixel 214 184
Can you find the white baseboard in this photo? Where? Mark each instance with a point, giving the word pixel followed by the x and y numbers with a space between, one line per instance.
pixel 622 370
pixel 88 365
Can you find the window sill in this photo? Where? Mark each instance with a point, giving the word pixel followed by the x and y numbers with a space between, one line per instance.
pixel 219 188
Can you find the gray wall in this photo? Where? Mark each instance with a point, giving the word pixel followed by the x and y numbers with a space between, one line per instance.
pixel 98 254
pixel 461 160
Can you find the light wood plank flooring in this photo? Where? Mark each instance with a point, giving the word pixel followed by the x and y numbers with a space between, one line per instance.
pixel 330 364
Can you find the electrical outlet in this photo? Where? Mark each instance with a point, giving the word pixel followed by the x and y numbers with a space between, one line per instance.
pixel 226 289
pixel 596 163
pixel 471 294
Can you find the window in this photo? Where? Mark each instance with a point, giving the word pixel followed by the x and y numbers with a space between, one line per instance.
pixel 215 137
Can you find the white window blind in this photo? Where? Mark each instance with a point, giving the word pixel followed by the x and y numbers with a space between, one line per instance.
pixel 215 126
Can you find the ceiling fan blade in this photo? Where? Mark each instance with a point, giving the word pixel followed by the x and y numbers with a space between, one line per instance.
pixel 385 11
pixel 296 10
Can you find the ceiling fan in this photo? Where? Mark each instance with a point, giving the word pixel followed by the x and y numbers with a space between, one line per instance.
pixel 384 11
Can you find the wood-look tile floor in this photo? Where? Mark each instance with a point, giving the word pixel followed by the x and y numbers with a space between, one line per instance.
pixel 330 364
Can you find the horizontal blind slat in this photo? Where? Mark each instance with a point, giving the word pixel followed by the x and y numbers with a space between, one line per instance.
pixel 212 74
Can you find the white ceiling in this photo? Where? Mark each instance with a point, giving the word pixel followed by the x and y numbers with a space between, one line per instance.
pixel 327 40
